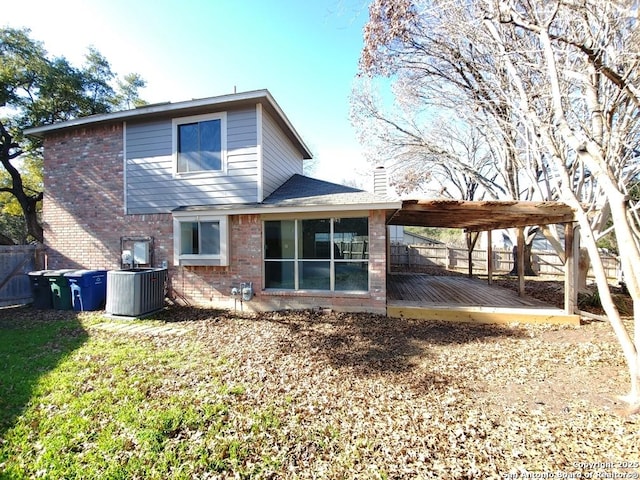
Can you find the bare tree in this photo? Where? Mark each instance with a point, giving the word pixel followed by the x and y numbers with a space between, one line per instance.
pixel 588 56
pixel 441 157
pixel 555 88
pixel 453 79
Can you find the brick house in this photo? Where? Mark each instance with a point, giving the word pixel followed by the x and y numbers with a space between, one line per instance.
pixel 215 188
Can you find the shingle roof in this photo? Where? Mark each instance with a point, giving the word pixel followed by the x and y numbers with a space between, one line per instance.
pixel 300 193
pixel 300 190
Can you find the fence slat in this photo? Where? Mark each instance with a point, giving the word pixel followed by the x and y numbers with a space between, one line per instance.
pixel 15 262
pixel 416 257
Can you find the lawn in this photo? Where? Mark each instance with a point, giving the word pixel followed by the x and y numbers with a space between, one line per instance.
pixel 207 394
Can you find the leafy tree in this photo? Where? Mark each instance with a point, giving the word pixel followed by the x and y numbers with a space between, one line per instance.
pixel 37 90
pixel 127 96
pixel 555 86
pixel 12 221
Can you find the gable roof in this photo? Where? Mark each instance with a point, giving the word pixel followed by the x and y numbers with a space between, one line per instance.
pixel 190 107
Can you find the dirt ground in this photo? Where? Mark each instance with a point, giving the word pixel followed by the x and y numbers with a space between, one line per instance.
pixel 552 292
pixel 561 363
pixel 570 379
pixel 562 377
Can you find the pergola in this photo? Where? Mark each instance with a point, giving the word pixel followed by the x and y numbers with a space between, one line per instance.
pixel 484 216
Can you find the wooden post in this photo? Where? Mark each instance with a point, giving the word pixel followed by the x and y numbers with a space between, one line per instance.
pixel 520 250
pixel 489 259
pixel 570 272
pixel 472 238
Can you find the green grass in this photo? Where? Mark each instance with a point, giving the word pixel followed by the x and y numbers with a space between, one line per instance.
pixel 109 407
pixel 29 350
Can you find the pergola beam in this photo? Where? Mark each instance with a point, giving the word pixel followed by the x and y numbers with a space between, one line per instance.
pixel 480 216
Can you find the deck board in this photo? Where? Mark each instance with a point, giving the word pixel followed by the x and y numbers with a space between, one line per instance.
pixel 453 290
pixel 460 298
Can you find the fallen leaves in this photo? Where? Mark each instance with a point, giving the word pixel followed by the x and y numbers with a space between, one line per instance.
pixel 302 395
pixel 418 399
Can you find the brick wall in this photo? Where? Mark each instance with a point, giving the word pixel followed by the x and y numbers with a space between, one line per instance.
pixel 84 221
pixel 212 285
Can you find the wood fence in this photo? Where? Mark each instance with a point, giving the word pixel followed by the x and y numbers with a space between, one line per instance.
pixel 15 262
pixel 419 258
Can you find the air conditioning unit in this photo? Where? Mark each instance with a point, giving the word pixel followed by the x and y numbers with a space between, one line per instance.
pixel 135 292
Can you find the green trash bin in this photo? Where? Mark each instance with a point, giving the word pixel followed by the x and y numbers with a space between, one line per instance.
pixel 60 291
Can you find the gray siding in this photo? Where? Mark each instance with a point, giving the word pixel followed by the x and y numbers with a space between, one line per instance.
pixel 151 187
pixel 280 159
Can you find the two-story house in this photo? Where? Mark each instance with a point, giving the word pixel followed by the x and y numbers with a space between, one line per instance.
pixel 215 187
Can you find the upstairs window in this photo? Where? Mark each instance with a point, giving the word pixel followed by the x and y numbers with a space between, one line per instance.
pixel 199 143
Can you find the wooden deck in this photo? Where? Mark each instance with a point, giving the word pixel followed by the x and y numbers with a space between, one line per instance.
pixel 458 298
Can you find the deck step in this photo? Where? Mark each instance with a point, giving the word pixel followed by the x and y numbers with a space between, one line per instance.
pixel 478 314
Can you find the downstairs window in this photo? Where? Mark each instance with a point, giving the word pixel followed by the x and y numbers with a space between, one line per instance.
pixel 200 240
pixel 317 254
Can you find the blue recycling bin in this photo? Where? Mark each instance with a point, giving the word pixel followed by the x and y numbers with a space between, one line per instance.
pixel 40 289
pixel 88 289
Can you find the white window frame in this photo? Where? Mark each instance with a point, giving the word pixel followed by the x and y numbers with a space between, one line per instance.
pixel 176 122
pixel 297 260
pixel 221 259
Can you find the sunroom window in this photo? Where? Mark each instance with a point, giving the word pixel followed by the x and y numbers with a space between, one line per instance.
pixel 317 254
pixel 199 143
pixel 200 240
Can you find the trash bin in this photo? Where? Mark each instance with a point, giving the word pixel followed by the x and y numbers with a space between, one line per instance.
pixel 88 289
pixel 60 293
pixel 40 289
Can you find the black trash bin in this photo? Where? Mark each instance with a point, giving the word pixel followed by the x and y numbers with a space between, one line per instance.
pixel 88 289
pixel 40 289
pixel 59 285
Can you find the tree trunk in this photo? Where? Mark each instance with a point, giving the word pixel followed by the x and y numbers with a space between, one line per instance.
pixel 583 270
pixel 629 345
pixel 528 266
pixel 34 228
pixel 472 239
pixel 590 154
pixel 4 240
pixel 630 263
pixel 10 150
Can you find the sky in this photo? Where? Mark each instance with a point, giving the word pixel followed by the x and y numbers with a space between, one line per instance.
pixel 304 52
